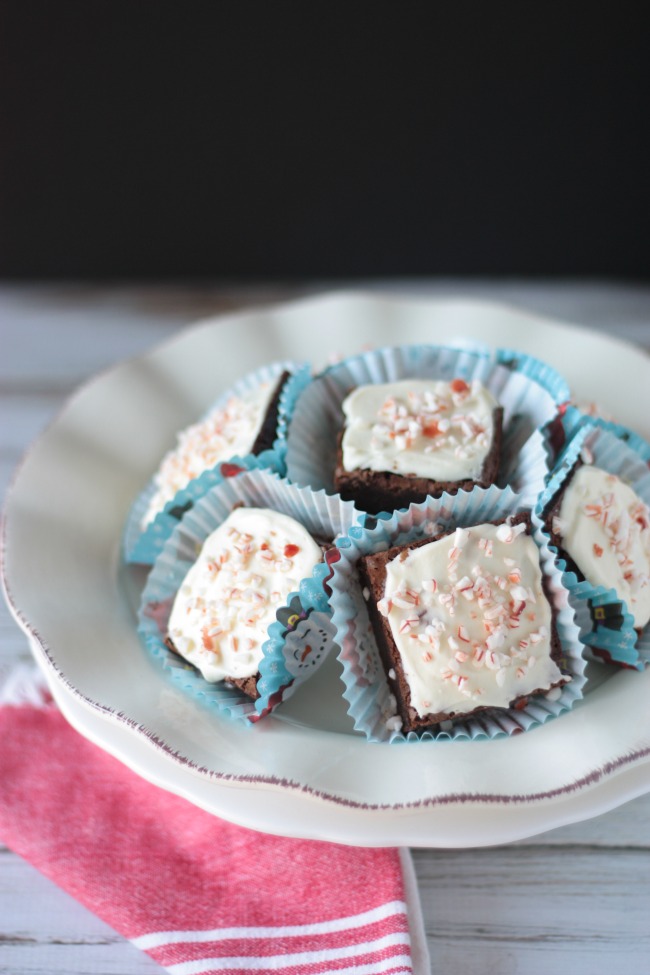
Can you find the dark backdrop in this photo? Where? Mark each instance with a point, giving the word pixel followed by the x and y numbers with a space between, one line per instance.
pixel 245 139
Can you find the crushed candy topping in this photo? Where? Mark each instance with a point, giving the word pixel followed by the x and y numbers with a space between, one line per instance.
pixel 229 597
pixel 605 528
pixel 431 428
pixel 228 430
pixel 470 626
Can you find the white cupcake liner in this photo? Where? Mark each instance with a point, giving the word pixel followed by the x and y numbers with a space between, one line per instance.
pixel 526 472
pixel 528 390
pixel 302 624
pixel 142 545
pixel 370 702
pixel 606 625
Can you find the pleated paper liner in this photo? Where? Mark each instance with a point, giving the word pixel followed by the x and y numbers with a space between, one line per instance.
pixel 370 701
pixel 141 544
pixel 606 625
pixel 529 391
pixel 302 634
pixel 571 419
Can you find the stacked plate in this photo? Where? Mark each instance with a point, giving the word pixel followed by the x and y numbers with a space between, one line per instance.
pixel 303 772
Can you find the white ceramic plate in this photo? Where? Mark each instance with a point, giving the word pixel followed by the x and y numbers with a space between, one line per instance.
pixel 304 773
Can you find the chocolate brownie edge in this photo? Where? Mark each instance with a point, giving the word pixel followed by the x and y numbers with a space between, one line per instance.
pixel 372 572
pixel 551 512
pixel 267 432
pixel 247 685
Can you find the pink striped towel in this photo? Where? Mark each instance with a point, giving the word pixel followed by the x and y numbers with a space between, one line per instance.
pixel 196 893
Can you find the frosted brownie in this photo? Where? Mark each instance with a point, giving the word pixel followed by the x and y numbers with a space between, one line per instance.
pixel 405 440
pixel 462 622
pixel 243 425
pixel 602 529
pixel 246 570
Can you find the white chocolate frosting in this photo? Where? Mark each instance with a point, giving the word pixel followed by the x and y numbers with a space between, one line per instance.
pixel 605 528
pixel 434 429
pixel 226 432
pixel 246 570
pixel 470 619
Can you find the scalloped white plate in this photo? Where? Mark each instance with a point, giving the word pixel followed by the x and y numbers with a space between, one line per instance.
pixel 304 773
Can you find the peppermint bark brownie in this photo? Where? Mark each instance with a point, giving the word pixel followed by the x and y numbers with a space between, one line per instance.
pixel 243 425
pixel 403 441
pixel 601 528
pixel 246 570
pixel 462 622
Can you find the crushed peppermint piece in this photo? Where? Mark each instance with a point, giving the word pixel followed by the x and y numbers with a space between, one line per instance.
pixel 394 723
pixel 518 592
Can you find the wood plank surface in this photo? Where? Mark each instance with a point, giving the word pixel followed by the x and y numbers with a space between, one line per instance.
pixel 574 900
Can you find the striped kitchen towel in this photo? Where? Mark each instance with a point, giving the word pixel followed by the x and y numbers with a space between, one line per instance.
pixel 198 894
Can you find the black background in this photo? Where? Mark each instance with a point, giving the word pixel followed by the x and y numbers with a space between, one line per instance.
pixel 237 140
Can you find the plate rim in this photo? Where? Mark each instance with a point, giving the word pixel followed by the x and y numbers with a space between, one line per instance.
pixel 394 829
pixel 637 759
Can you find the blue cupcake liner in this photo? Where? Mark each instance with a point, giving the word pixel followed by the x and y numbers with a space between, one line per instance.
pixel 606 626
pixel 546 376
pixel 573 419
pixel 370 701
pixel 530 392
pixel 301 636
pixel 142 546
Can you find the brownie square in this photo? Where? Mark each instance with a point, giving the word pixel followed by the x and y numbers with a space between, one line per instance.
pixel 376 491
pixel 373 573
pixel 247 685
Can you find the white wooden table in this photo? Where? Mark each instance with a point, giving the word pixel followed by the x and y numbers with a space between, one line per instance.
pixel 574 900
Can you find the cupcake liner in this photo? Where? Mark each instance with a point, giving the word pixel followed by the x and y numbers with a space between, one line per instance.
pixel 142 546
pixel 371 704
pixel 572 419
pixel 606 626
pixel 527 470
pixel 302 635
pixel 528 390
pixel 543 374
